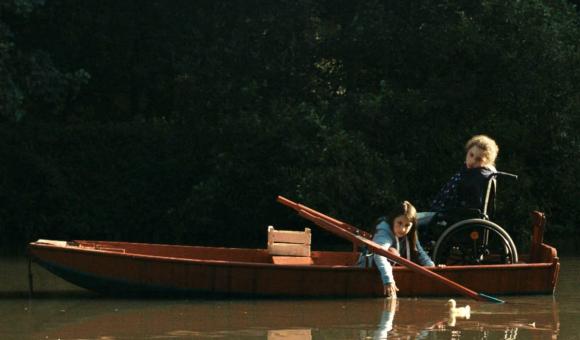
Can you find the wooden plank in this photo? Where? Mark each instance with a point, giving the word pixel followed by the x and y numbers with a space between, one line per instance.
pixel 539 223
pixel 292 260
pixel 53 242
pixel 289 249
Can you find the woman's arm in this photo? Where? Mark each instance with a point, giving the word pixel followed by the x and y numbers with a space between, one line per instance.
pixel 447 195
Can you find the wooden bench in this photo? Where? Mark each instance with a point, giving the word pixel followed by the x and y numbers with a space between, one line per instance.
pixel 288 247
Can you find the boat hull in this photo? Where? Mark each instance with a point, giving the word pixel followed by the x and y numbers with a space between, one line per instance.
pixel 127 269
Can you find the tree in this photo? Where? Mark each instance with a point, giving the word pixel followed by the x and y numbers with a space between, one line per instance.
pixel 30 83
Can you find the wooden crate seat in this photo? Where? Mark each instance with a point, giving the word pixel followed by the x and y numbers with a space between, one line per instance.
pixel 289 247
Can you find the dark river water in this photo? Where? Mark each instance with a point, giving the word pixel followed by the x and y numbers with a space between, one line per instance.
pixel 62 311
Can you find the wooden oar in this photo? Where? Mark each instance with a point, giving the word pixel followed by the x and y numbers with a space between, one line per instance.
pixel 342 225
pixel 376 248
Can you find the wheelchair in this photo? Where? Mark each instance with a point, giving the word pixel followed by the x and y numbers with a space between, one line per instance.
pixel 468 236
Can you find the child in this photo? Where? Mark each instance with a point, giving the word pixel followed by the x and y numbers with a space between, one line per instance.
pixel 466 189
pixel 398 234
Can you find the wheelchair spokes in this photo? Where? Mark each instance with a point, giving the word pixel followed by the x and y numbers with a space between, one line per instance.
pixel 474 242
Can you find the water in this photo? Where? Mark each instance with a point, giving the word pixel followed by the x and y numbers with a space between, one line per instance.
pixel 62 311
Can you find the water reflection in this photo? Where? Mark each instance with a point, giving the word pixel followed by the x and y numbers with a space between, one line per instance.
pixel 290 334
pixel 274 320
pixel 535 318
pixel 387 318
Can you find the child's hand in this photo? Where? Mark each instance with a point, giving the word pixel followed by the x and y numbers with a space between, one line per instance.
pixel 394 251
pixel 390 290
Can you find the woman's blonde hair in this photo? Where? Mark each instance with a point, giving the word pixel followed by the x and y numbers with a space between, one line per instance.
pixel 487 145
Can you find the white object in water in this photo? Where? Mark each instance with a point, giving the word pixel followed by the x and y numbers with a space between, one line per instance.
pixel 458 312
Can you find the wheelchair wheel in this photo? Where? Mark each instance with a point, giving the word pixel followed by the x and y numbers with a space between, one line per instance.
pixel 475 241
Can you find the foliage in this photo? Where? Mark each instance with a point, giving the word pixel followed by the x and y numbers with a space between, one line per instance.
pixel 29 81
pixel 181 121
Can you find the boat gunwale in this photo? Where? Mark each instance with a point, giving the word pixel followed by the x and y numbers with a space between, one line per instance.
pixel 230 263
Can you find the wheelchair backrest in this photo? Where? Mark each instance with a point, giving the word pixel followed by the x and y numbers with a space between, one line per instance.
pixel 485 211
pixel 488 208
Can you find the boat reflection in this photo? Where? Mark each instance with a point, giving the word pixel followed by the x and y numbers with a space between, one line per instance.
pixel 522 318
pixel 290 334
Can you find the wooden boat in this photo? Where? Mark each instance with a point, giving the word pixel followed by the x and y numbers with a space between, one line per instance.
pixel 122 268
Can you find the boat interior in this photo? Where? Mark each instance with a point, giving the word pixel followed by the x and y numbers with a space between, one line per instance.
pixel 284 247
pixel 273 255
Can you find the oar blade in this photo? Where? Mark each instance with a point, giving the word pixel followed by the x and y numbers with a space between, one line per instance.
pixel 490 298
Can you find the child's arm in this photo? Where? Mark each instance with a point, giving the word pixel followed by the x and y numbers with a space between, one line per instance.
pixel 394 251
pixel 384 237
pixel 385 268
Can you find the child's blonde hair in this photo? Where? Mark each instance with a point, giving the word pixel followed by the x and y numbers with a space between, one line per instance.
pixel 487 145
